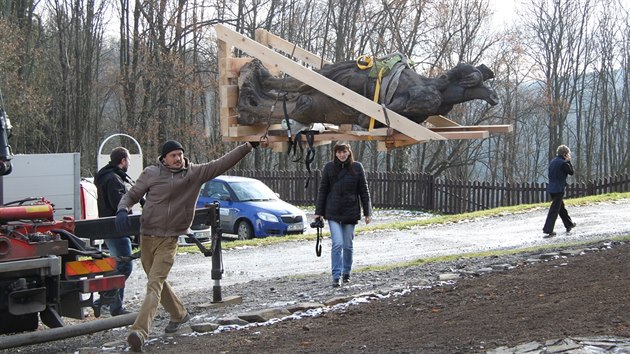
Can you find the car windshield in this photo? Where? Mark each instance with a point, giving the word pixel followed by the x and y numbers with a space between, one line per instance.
pixel 252 191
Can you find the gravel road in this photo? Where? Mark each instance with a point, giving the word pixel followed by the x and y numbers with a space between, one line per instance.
pixel 241 265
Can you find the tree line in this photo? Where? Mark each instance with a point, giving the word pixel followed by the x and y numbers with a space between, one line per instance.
pixel 72 72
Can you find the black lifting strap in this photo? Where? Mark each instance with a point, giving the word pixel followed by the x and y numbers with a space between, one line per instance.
pixel 294 144
pixel 318 244
pixel 286 118
pixel 310 153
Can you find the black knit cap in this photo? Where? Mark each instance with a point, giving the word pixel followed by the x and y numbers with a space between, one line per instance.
pixel 170 146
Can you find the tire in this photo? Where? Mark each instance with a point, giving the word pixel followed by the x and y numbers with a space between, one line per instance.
pixel 16 324
pixel 244 230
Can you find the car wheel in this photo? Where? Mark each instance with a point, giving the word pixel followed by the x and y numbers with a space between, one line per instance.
pixel 244 230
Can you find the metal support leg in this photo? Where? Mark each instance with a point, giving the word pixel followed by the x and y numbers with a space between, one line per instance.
pixel 217 261
pixel 213 219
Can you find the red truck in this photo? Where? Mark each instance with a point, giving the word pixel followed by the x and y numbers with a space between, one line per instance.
pixel 46 272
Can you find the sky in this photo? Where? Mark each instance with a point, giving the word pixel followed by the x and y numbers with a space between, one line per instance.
pixel 504 10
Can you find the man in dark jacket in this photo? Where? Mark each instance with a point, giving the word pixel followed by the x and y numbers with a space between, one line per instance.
pixel 171 188
pixel 110 183
pixel 559 169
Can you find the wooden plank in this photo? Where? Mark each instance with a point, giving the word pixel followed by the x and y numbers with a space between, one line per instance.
pixel 375 132
pixel 229 114
pixel 362 104
pixel 441 121
pixel 224 112
pixel 234 65
pixel 466 135
pixel 267 38
pixel 280 146
pixel 229 96
pixel 254 137
pixel 385 145
pixel 507 128
pixel 499 128
pixel 459 135
pixel 345 127
pixel 244 130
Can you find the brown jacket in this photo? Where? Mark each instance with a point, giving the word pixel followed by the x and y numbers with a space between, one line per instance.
pixel 171 195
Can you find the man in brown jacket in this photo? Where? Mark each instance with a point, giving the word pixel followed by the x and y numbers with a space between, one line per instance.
pixel 171 188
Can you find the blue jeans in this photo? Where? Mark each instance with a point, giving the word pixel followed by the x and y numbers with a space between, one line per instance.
pixel 119 247
pixel 341 254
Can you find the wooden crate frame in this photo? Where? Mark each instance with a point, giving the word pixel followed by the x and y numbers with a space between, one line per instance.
pixel 265 49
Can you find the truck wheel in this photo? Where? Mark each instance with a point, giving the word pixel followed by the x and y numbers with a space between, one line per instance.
pixel 51 318
pixel 15 324
pixel 244 230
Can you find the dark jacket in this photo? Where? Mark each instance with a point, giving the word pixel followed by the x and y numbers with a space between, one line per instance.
pixel 559 170
pixel 342 192
pixel 110 184
pixel 171 195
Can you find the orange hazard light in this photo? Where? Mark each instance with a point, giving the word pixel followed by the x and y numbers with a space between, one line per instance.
pixel 93 266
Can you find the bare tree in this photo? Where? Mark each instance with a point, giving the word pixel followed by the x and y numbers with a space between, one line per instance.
pixel 600 103
pixel 558 41
pixel 24 97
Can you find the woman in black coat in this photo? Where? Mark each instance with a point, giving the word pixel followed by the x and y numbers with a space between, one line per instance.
pixel 342 192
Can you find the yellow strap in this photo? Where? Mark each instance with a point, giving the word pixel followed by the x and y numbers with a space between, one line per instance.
pixel 377 91
pixel 364 62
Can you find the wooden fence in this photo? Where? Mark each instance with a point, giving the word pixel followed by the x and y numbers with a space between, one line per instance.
pixel 424 192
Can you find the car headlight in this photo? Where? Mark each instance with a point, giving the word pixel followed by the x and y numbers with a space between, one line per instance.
pixel 267 217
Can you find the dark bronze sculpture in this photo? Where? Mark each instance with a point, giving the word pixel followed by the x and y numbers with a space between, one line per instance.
pixel 402 90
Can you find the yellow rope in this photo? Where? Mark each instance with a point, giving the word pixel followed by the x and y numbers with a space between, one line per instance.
pixel 377 91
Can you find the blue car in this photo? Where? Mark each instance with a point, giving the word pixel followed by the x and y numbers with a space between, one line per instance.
pixel 251 209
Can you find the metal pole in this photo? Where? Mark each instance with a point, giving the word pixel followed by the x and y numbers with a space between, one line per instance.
pixel 217 262
pixel 49 335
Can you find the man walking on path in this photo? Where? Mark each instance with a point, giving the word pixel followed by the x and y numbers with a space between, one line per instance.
pixel 110 183
pixel 559 169
pixel 171 188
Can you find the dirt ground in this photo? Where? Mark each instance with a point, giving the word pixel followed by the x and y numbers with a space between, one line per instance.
pixel 584 295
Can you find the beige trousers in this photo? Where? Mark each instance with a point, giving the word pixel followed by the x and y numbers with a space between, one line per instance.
pixel 157 257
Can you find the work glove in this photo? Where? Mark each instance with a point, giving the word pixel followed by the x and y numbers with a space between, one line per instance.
pixel 122 221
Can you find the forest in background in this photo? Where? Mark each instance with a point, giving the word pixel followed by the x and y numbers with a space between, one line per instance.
pixel 73 72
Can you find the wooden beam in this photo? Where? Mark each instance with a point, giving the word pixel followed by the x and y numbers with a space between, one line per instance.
pixel 229 96
pixel 441 121
pixel 385 145
pixel 244 130
pixel 269 39
pixel 336 91
pixel 224 80
pixel 466 135
pixel 447 135
pixel 233 66
pixel 489 128
pixel 279 146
